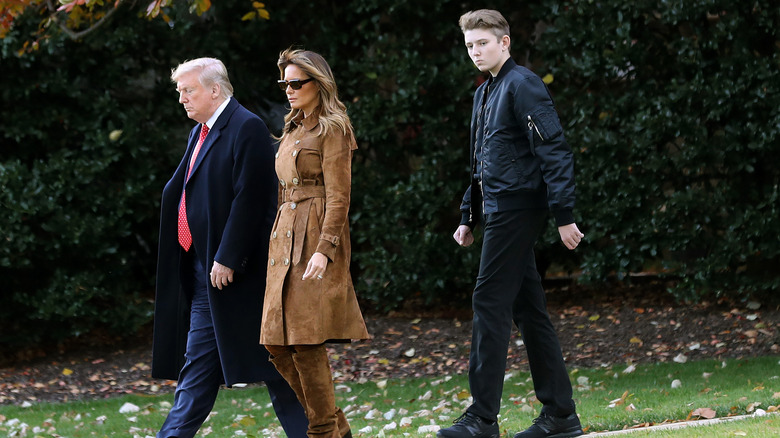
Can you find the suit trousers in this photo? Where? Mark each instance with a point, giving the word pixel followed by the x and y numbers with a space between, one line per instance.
pixel 201 375
pixel 509 289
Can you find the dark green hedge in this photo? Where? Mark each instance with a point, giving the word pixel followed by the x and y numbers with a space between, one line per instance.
pixel 79 204
pixel 672 109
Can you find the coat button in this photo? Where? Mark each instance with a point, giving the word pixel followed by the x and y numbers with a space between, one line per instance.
pixel 297 142
pixel 273 262
pixel 286 262
pixel 281 181
pixel 295 152
pixel 293 206
pixel 274 234
pixel 295 181
pixel 289 233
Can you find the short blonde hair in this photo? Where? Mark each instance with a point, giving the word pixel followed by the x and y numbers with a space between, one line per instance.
pixel 487 19
pixel 210 71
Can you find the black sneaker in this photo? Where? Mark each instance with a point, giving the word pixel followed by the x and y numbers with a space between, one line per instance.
pixel 547 426
pixel 469 425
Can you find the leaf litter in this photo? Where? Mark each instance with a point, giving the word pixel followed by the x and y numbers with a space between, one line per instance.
pixel 624 325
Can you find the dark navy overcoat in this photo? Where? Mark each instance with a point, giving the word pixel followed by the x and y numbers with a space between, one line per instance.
pixel 231 205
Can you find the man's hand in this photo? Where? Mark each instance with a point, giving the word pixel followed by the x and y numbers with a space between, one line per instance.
pixel 570 235
pixel 220 275
pixel 463 236
pixel 318 263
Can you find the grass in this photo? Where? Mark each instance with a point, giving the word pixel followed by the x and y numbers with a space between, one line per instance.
pixel 751 427
pixel 607 399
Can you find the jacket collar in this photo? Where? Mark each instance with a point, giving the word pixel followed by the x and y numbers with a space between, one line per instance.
pixel 509 64
pixel 308 123
pixel 214 134
pixel 225 115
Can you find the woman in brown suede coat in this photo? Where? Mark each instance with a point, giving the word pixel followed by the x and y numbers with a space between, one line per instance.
pixel 309 297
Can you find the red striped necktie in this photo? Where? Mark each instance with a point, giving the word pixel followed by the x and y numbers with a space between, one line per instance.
pixel 185 237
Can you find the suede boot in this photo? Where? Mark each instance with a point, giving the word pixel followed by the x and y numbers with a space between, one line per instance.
pixel 286 366
pixel 326 420
pixel 344 429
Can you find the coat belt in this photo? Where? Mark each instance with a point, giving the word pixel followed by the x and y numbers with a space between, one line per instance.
pixel 302 196
pixel 302 193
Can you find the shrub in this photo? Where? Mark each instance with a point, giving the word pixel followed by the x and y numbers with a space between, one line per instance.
pixel 81 167
pixel 675 110
pixel 672 108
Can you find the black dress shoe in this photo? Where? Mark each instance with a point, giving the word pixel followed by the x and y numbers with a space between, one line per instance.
pixel 547 426
pixel 469 425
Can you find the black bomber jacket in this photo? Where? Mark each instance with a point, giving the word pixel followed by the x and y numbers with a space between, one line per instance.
pixel 526 162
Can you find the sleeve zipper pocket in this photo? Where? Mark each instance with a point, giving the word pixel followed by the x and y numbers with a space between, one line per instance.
pixel 532 127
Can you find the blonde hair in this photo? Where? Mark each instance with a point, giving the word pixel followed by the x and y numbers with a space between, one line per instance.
pixel 487 19
pixel 210 71
pixel 332 112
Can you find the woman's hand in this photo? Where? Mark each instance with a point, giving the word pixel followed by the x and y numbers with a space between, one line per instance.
pixel 318 263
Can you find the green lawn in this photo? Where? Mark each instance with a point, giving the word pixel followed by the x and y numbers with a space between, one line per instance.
pixel 607 399
pixel 752 427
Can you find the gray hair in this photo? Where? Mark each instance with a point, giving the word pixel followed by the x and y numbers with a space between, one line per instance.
pixel 210 71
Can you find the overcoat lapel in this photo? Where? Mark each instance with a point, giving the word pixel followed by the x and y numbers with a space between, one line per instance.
pixel 214 134
pixel 204 149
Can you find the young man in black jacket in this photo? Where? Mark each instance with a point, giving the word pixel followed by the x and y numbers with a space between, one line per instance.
pixel 521 166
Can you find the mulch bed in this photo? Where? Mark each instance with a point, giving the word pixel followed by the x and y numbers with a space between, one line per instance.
pixel 612 326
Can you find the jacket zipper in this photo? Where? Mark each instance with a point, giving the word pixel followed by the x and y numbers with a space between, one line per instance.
pixel 532 125
pixel 482 168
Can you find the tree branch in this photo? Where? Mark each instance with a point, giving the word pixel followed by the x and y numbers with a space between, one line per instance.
pixel 81 34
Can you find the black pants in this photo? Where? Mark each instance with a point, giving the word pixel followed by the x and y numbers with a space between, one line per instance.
pixel 510 289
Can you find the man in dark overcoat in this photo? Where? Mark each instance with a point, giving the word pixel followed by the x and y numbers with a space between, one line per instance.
pixel 216 216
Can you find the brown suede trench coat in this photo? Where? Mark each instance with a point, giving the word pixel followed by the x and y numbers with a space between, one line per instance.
pixel 315 180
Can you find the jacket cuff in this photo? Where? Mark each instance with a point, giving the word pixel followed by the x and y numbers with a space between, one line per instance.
pixel 327 248
pixel 236 265
pixel 564 216
pixel 464 219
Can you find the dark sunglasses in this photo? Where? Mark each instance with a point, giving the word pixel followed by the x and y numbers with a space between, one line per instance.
pixel 295 84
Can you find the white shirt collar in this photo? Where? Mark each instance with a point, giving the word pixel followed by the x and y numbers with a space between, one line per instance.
pixel 210 123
